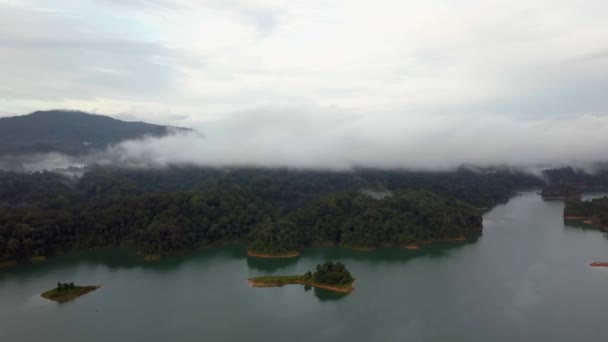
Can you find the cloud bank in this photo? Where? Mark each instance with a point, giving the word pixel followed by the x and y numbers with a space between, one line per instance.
pixel 321 83
pixel 310 139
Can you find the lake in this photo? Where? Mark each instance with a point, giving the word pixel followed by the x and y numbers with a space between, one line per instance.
pixel 526 278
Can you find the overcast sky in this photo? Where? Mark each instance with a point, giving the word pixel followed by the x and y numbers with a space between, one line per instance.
pixel 492 80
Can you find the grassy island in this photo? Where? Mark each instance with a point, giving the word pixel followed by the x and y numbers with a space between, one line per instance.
pixel 330 276
pixel 67 292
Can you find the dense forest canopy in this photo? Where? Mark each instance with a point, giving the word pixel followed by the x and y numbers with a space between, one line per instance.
pixel 176 209
pixel 595 210
pixel 331 273
pixel 358 220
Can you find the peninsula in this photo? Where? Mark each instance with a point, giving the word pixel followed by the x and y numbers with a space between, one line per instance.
pixel 329 276
pixel 277 213
pixel 594 212
pixel 65 292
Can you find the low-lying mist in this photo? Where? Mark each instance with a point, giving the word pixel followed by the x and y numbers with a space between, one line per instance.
pixel 340 142
pixel 381 141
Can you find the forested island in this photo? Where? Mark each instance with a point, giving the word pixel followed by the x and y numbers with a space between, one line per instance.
pixel 173 210
pixel 329 275
pixel 594 212
pixel 65 292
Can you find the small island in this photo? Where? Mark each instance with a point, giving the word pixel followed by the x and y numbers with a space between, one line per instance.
pixel 329 276
pixel 65 292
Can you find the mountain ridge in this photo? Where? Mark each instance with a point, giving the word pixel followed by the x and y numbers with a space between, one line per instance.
pixel 71 132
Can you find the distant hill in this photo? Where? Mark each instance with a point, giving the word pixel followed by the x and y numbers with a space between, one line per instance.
pixel 69 132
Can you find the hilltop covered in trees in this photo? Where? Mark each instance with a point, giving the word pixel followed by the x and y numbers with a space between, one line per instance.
pixel 357 220
pixel 177 209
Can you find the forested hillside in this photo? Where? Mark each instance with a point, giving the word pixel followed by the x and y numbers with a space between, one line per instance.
pixel 68 132
pixel 177 209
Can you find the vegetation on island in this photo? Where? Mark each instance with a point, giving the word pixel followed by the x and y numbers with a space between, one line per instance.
pixel 276 211
pixel 594 212
pixel 65 292
pixel 329 275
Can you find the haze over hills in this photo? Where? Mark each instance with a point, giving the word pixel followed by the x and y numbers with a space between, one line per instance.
pixel 71 133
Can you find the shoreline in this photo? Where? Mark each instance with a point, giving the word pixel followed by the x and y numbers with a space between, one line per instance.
pixel 587 220
pixel 365 249
pixel 7 264
pixel 561 197
pixel 33 260
pixel 272 256
pixel 411 247
pixel 157 257
pixel 578 218
pixel 414 247
pixel 342 289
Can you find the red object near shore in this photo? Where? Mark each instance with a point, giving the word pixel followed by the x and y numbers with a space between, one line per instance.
pixel 599 264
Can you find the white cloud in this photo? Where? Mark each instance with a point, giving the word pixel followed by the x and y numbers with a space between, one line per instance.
pixel 386 76
pixel 311 139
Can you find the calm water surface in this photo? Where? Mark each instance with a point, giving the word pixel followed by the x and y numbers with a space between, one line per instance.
pixel 526 278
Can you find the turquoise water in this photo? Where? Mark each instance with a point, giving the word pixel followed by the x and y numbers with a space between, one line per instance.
pixel 526 278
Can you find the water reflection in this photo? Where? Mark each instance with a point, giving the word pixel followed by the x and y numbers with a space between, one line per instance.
pixel 580 224
pixel 117 259
pixel 394 254
pixel 271 264
pixel 389 254
pixel 125 259
pixel 326 295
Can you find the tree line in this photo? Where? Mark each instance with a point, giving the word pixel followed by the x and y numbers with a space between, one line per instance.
pixel 175 209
